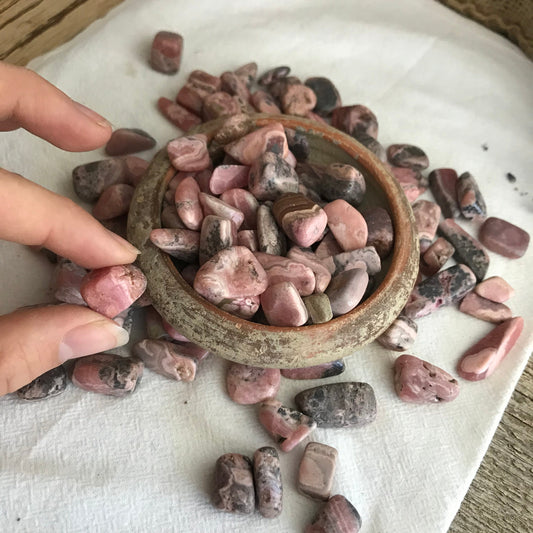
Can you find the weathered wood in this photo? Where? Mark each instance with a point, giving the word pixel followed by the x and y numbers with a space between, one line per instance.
pixel 29 28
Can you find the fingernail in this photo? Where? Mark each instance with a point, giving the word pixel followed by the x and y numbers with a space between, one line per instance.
pixel 91 338
pixel 93 115
pixel 124 243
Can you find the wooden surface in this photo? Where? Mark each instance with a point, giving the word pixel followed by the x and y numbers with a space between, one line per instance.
pixel 500 498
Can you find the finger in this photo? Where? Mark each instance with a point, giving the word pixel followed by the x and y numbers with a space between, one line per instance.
pixel 33 341
pixel 30 214
pixel 30 102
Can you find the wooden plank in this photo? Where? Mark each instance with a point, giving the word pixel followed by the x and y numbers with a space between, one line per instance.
pixel 43 25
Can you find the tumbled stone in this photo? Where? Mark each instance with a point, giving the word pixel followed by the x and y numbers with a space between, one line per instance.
pixel 248 385
pixel 128 141
pixel 318 308
pixel 346 290
pixel 327 95
pixel 250 147
pixel 309 259
pixel 283 306
pixel 495 289
pixel 344 261
pixel 372 144
pixel 226 177
pixel 274 74
pixel 166 52
pixel 248 238
pixel 380 230
pixel 280 269
pixel 301 219
pixel 234 484
pixel 242 306
pixel 191 98
pixel 347 225
pixel 218 105
pixel 479 307
pixel 297 99
pixel 247 73
pixel 67 282
pixel 187 202
pixel 165 358
pixel 113 202
pixel 263 102
pixel 181 117
pixel 184 244
pixel 49 384
pixel 107 374
pixel 407 156
pixel 409 182
pixel 204 81
pixel 436 256
pixel 268 483
pixel 189 153
pixel 337 515
pixel 327 247
pixel 354 119
pixel 324 370
pixel 317 470
pixel 134 169
pixel 211 205
pixel 504 238
pixel 271 176
pixel 443 185
pixel 288 426
pixel 471 202
pixel 233 127
pixel 482 359
pixel 269 235
pixel 91 179
pixel 427 218
pixel 338 405
pixel 245 202
pixel 400 335
pixel 444 288
pixel 216 234
pixel 467 249
pixel 231 273
pixel 418 381
pixel 110 290
pixel 234 85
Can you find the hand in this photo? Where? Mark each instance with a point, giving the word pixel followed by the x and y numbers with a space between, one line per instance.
pixel 35 340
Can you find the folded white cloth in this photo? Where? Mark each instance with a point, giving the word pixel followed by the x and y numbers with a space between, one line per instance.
pixel 85 462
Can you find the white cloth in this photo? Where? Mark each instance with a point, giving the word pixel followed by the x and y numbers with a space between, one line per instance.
pixel 86 462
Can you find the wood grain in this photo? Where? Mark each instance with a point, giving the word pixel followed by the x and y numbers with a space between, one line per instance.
pixel 500 499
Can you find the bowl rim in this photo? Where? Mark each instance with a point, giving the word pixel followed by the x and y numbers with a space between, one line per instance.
pixel 404 256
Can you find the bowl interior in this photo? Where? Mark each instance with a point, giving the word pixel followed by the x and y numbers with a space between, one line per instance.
pixel 271 346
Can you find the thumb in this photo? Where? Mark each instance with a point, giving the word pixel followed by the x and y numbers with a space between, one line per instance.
pixel 35 340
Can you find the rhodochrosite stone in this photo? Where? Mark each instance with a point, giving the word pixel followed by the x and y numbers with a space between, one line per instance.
pixel 337 515
pixel 166 52
pixel 268 484
pixel 504 238
pixel 234 484
pixel 248 384
pixel 317 469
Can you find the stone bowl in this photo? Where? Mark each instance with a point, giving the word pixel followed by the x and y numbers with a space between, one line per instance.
pixel 261 345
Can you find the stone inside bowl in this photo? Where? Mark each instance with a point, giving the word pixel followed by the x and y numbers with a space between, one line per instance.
pixel 271 346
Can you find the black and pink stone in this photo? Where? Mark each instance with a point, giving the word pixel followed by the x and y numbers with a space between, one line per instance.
pixel 417 381
pixel 444 288
pixel 49 384
pixel 325 370
pixel 443 185
pixel 338 405
pixel 469 197
pixel 400 335
pixel 234 484
pixel 268 483
pixel 337 515
pixel 327 95
pixel 407 156
pixel 468 250
pixel 91 179
pixel 380 230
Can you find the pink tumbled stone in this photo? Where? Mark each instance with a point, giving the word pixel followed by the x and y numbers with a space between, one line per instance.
pixel 316 471
pixel 504 238
pixel 204 81
pixel 248 238
pixel 128 141
pixel 166 52
pixel 309 259
pixel 189 153
pixel 479 307
pixel 212 205
pixel 495 289
pixel 226 177
pixel 427 218
pixel 409 180
pixel 264 103
pixel 183 244
pixel 134 169
pixel 355 119
pixel 436 256
pixel 280 269
pixel 249 148
pixel 113 202
pixel 67 282
pixel 482 359
pixel 283 305
pixel 231 273
pixel 218 105
pixel 249 384
pixel 337 516
pixel 328 246
pixel 110 290
pixel 324 370
pixel 241 306
pixel 245 202
pixel 192 98
pixel 418 381
pixel 347 225
pixel 288 426
pixel 177 114
pixel 297 99
pixel 186 199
